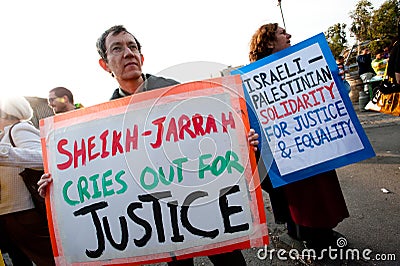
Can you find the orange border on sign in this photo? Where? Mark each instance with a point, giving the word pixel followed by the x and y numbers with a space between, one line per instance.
pixel 165 95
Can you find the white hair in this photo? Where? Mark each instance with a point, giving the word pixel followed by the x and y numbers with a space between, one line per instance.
pixel 16 106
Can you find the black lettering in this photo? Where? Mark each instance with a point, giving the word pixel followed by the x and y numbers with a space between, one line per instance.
pixel 124 233
pixel 173 210
pixel 227 210
pixel 154 198
pixel 184 216
pixel 147 227
pixel 96 221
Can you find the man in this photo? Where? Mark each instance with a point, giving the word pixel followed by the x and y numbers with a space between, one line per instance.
pixel 343 69
pixel 379 63
pixel 120 55
pixel 365 70
pixel 61 100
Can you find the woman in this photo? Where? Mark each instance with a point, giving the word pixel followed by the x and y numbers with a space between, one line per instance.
pixel 311 207
pixel 27 229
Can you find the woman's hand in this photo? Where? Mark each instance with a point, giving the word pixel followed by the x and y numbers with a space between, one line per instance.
pixel 252 137
pixel 44 181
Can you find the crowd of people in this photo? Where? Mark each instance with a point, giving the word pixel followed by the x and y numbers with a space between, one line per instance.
pixel 311 208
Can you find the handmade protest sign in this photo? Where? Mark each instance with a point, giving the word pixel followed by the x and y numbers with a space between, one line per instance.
pixel 303 111
pixel 163 173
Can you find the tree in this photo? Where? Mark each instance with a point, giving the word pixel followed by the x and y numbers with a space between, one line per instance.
pixel 361 17
pixel 336 38
pixel 384 24
pixel 374 29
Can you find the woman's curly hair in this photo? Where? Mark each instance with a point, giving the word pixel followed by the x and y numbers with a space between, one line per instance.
pixel 260 41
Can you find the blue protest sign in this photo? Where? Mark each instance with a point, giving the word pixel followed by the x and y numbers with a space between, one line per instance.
pixel 303 112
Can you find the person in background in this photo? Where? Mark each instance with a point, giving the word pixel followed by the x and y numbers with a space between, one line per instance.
pixel 343 69
pixel 121 56
pixel 62 100
pixel 16 255
pixel 26 228
pixel 379 63
pixel 311 207
pixel 386 53
pixel 365 70
pixel 393 70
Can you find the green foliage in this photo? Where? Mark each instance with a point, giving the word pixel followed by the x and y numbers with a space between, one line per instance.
pixel 361 17
pixel 384 24
pixel 336 38
pixel 378 28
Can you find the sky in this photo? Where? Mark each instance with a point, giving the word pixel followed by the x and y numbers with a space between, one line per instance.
pixel 50 43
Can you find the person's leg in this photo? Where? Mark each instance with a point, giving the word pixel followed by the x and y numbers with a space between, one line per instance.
pixel 234 258
pixel 7 246
pixel 30 232
pixel 185 262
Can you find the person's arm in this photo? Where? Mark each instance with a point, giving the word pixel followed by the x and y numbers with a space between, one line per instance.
pixel 26 136
pixel 20 157
pixel 252 137
pixel 27 152
pixel 43 183
pixel 397 77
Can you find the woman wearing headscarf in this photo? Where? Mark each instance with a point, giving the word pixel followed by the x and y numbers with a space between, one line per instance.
pixel 26 228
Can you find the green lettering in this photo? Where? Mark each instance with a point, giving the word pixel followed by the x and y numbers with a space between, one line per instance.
pixel 235 164
pixel 179 167
pixel 107 183
pixel 83 188
pixel 96 191
pixel 124 185
pixel 65 194
pixel 214 170
pixel 162 175
pixel 142 177
pixel 203 167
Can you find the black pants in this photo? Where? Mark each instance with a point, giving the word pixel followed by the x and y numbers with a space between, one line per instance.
pixel 234 258
pixel 14 252
pixel 29 231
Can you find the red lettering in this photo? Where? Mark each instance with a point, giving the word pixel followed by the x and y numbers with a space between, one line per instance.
pixel 172 130
pixel 312 93
pixel 160 128
pixel 197 120
pixel 61 150
pixel 184 124
pixel 287 112
pixel 321 93
pixel 210 124
pixel 264 115
pixel 91 146
pixel 131 139
pixel 79 152
pixel 300 104
pixel 330 88
pixel 225 122
pixel 116 143
pixel 103 137
pixel 306 98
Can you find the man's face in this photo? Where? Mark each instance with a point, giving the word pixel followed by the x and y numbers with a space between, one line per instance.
pixel 282 40
pixel 124 59
pixel 57 103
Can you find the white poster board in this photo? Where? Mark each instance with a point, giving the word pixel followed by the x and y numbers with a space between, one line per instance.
pixel 158 174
